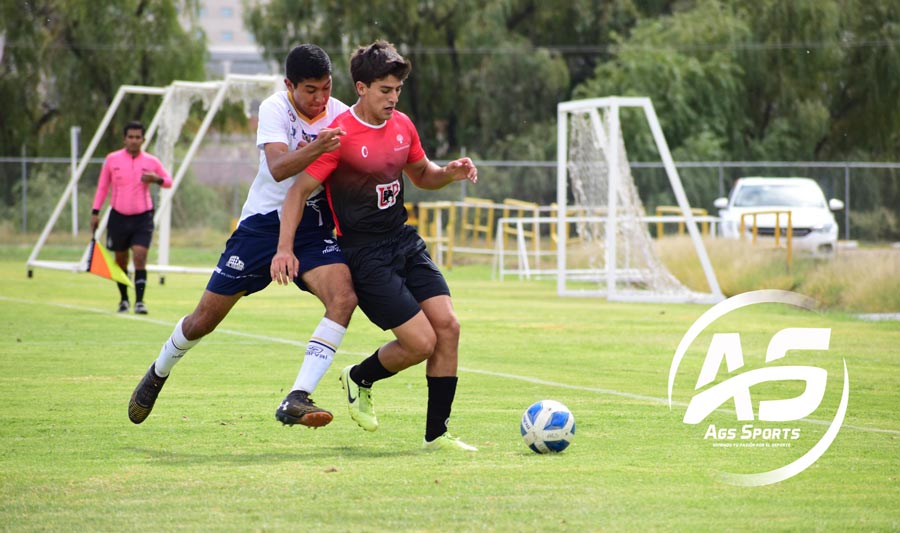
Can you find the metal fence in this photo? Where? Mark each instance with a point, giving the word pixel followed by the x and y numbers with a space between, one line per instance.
pixel 215 189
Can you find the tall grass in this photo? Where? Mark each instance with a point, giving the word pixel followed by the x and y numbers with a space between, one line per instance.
pixel 863 280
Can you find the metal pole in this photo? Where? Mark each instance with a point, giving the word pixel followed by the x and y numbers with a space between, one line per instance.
pixel 73 134
pixel 24 192
pixel 721 181
pixel 847 203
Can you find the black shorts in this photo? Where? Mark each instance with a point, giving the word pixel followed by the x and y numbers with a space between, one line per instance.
pixel 392 276
pixel 125 231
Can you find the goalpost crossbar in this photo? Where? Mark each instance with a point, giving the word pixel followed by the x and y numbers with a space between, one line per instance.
pixel 162 217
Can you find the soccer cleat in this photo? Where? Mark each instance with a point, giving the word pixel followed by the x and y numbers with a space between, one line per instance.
pixel 447 441
pixel 124 306
pixel 359 402
pixel 299 408
pixel 144 395
pixel 140 308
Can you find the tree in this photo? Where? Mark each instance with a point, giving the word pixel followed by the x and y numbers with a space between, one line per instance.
pixel 768 80
pixel 64 60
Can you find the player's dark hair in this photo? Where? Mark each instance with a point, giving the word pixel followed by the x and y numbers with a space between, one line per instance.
pixel 306 61
pixel 133 125
pixel 376 61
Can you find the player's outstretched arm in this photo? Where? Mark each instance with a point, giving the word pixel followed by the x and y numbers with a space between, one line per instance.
pixel 285 265
pixel 283 163
pixel 428 175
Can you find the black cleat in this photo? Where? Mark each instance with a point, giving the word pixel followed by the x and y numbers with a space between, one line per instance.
pixel 123 306
pixel 299 408
pixel 144 395
pixel 140 308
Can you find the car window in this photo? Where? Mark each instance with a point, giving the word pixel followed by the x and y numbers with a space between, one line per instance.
pixel 778 196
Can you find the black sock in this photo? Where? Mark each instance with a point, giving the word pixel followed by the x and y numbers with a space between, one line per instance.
pixel 369 371
pixel 441 392
pixel 123 291
pixel 140 281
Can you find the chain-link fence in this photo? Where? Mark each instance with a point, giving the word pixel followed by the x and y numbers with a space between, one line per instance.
pixel 214 190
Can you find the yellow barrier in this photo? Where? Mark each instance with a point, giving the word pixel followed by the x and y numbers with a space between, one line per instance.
pixel 572 233
pixel 675 210
pixel 522 209
pixel 412 214
pixel 789 230
pixel 430 220
pixel 477 215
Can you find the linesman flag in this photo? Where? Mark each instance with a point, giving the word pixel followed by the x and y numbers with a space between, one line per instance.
pixel 101 264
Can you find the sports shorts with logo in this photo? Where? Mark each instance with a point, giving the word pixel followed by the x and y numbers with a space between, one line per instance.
pixel 392 276
pixel 125 231
pixel 245 265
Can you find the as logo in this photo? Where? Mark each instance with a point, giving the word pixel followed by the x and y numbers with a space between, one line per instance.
pixel 727 346
pixel 387 194
pixel 737 386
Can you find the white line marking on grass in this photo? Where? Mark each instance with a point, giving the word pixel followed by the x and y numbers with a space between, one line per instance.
pixel 537 381
pixel 651 399
pixel 574 387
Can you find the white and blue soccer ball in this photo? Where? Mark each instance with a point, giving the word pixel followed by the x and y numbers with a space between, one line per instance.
pixel 548 427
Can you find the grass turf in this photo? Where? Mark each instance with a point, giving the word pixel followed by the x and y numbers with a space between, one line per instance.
pixel 212 456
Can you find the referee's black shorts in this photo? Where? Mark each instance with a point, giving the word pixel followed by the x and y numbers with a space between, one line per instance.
pixel 392 276
pixel 125 231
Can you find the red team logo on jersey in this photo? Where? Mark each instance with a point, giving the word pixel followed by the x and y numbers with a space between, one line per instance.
pixel 387 194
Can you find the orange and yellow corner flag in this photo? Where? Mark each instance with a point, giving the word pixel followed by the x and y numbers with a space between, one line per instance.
pixel 101 264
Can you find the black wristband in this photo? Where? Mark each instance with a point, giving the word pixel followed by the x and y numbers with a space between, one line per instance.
pixel 95 211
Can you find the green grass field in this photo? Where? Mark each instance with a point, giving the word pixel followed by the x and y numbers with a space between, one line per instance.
pixel 212 456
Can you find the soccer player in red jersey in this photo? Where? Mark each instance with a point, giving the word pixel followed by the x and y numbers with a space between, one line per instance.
pixel 398 285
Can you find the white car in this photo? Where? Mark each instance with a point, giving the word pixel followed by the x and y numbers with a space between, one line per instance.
pixel 814 228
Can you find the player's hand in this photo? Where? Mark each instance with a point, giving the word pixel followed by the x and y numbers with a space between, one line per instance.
pixel 329 139
pixel 95 221
pixel 463 169
pixel 285 268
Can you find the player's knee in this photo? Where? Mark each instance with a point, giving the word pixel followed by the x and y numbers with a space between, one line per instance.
pixel 447 327
pixel 421 346
pixel 342 304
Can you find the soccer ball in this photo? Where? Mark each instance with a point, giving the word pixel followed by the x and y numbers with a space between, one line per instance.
pixel 547 427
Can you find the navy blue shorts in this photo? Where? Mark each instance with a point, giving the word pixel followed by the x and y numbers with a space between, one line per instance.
pixel 392 276
pixel 245 265
pixel 125 231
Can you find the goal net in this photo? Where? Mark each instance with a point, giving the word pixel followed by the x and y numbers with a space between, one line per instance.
pixel 604 247
pixel 167 126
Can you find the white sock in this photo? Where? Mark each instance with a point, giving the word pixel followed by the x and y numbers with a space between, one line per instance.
pixel 172 351
pixel 320 351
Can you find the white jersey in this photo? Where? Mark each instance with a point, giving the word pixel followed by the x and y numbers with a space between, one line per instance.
pixel 279 122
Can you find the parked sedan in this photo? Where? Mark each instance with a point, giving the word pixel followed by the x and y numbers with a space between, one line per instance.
pixel 815 229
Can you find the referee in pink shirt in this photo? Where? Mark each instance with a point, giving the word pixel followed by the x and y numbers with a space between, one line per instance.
pixel 128 174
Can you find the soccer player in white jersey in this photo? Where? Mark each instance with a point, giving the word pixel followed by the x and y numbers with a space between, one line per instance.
pixel 291 135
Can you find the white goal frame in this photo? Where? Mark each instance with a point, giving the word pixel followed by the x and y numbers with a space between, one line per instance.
pixel 611 274
pixel 219 89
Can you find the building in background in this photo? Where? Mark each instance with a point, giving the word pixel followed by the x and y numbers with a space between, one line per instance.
pixel 232 48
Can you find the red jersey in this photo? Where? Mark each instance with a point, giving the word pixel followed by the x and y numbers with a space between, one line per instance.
pixel 364 177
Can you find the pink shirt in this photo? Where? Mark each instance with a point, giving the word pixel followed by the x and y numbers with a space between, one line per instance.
pixel 130 196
